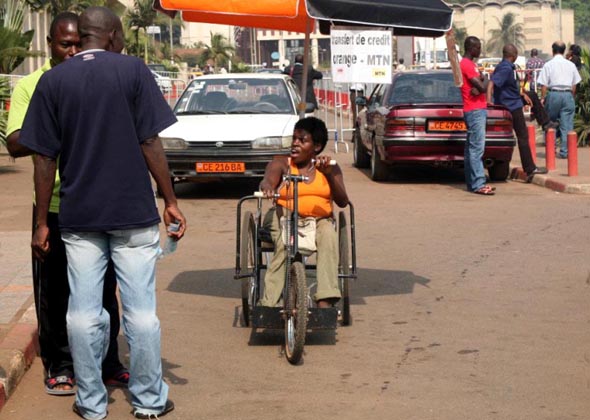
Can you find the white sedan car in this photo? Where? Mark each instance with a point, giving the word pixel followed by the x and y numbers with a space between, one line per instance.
pixel 231 125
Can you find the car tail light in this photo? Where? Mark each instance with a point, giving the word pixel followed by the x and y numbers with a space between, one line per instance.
pixel 496 125
pixel 397 125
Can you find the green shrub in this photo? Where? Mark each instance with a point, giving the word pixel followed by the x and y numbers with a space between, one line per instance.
pixel 4 98
pixel 582 116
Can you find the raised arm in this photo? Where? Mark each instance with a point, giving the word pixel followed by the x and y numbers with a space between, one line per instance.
pixel 335 178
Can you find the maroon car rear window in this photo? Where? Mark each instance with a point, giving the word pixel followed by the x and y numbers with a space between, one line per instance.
pixel 424 88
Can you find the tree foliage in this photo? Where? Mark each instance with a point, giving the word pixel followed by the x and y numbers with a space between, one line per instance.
pixel 4 98
pixel 139 17
pixel 460 35
pixel 509 32
pixel 219 52
pixel 14 44
pixel 582 117
pixel 581 19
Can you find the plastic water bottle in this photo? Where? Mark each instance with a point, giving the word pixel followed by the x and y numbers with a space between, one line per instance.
pixel 171 243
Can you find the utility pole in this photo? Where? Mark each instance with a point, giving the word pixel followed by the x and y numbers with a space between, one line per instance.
pixel 171 41
pixel 560 23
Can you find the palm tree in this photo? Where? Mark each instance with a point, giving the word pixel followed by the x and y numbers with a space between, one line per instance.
pixel 55 7
pixel 140 17
pixel 14 44
pixel 220 51
pixel 460 35
pixel 509 32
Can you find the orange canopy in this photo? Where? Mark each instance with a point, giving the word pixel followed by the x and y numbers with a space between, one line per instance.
pixel 287 15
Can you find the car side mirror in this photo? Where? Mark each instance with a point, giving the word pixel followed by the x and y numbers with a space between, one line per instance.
pixel 361 101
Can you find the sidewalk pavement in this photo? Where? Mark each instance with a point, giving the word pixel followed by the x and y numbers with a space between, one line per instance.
pixel 557 179
pixel 18 324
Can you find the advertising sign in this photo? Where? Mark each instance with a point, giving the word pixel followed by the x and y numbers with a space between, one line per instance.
pixel 361 55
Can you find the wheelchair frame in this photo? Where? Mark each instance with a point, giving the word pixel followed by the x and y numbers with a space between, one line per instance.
pixel 296 316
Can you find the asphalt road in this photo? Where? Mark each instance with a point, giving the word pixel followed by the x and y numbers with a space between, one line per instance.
pixel 466 307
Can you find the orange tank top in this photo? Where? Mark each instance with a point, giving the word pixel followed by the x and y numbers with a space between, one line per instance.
pixel 315 199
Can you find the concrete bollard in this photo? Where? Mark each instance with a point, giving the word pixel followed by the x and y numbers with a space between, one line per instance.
pixel 550 149
pixel 572 153
pixel 533 141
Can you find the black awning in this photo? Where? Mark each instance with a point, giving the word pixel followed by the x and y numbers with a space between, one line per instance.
pixel 406 17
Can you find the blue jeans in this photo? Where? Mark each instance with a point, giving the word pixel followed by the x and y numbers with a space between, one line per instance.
pixel 475 177
pixel 561 106
pixel 134 253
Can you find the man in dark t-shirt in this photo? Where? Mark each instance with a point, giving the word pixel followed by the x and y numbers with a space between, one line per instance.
pixel 100 113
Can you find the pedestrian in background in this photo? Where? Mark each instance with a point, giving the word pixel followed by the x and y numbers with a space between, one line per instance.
pixel 558 80
pixel 50 278
pixel 473 92
pixel 574 54
pixel 504 88
pixel 532 65
pixel 100 113
pixel 296 72
pixel 401 66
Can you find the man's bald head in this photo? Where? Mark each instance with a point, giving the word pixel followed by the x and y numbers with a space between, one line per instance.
pixel 100 28
pixel 558 47
pixel 509 51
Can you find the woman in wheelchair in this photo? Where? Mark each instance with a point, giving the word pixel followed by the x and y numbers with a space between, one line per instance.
pixel 325 185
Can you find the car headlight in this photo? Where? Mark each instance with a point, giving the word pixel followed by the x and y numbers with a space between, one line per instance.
pixel 173 143
pixel 272 142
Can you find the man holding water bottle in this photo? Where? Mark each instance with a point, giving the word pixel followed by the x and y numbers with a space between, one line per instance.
pixel 100 113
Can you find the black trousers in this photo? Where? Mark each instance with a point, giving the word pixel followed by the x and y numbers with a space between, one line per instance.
pixel 52 291
pixel 522 136
pixel 537 109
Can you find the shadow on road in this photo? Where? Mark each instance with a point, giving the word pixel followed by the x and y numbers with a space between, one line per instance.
pixel 370 282
pixel 424 174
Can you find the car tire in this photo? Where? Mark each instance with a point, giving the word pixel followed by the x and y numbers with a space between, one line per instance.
pixel 361 158
pixel 379 170
pixel 499 171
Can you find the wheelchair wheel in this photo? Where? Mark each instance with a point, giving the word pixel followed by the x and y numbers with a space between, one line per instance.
pixel 296 313
pixel 248 265
pixel 344 268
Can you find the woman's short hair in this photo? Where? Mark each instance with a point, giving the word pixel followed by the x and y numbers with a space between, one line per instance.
pixel 317 129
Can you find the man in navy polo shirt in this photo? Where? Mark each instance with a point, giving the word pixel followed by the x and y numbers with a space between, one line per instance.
pixel 100 113
pixel 506 91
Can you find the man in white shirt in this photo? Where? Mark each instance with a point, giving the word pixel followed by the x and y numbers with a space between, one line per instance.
pixel 558 80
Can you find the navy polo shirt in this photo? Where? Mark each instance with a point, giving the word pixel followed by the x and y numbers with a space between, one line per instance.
pixel 506 86
pixel 94 111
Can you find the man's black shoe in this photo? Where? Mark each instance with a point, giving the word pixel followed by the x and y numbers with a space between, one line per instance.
pixel 538 171
pixel 167 408
pixel 550 124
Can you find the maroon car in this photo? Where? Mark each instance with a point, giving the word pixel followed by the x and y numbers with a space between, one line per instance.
pixel 418 118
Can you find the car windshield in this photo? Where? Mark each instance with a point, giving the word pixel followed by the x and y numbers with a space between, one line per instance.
pixel 235 96
pixel 424 88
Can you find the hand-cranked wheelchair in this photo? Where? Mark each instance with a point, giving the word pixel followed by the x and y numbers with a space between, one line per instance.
pixel 254 248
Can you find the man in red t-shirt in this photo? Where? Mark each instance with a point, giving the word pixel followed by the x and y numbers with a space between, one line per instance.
pixel 473 92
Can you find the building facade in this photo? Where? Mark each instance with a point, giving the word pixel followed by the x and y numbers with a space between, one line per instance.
pixel 543 21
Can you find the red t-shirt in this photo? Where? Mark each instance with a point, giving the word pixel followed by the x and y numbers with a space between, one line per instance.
pixel 469 70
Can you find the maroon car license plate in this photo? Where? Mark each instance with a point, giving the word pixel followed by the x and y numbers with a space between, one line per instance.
pixel 446 126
